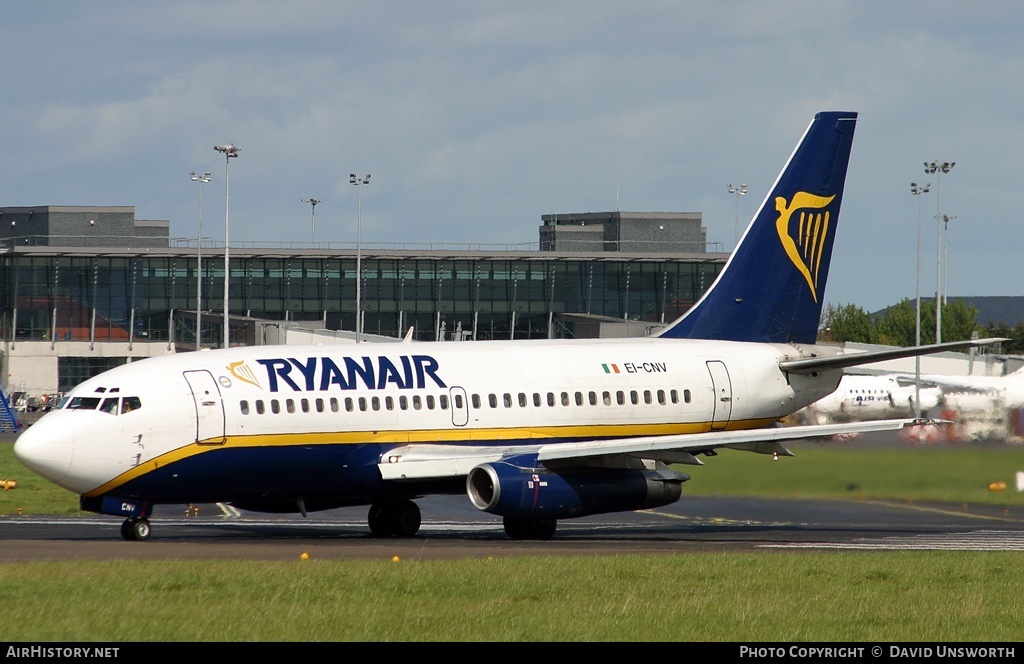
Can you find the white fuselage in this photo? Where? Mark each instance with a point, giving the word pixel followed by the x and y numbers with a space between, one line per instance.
pixel 280 403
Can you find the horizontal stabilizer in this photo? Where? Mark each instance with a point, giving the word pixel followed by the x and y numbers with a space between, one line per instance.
pixel 815 364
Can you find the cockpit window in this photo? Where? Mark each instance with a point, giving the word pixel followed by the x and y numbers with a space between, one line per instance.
pixel 129 404
pixel 84 403
pixel 109 405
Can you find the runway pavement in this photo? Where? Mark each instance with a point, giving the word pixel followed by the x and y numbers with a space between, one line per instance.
pixel 453 529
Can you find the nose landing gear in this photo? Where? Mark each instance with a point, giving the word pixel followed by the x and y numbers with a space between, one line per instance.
pixel 135 530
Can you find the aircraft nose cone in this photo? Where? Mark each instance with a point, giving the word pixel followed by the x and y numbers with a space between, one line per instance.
pixel 45 449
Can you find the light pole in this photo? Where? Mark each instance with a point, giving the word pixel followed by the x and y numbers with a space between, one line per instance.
pixel 201 179
pixel 230 152
pixel 945 255
pixel 917 190
pixel 313 202
pixel 359 182
pixel 738 191
pixel 938 168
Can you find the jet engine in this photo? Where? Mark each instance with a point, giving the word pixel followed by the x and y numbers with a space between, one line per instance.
pixel 510 490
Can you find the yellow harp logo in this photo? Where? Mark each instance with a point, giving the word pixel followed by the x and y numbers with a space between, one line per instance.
pixel 805 243
pixel 242 371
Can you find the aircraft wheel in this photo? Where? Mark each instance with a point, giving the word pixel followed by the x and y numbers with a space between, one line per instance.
pixel 137 530
pixel 141 529
pixel 405 517
pixel 379 521
pixel 542 529
pixel 518 528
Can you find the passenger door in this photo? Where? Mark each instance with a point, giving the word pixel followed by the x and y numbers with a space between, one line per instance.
pixel 209 407
pixel 722 388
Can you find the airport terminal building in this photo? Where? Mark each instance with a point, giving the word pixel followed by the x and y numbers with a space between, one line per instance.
pixel 84 289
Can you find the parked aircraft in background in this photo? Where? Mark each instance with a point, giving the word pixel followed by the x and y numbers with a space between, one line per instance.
pixel 533 431
pixel 861 398
pixel 981 407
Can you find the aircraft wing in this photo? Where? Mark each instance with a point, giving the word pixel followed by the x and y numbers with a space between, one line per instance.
pixel 421 461
pixel 815 364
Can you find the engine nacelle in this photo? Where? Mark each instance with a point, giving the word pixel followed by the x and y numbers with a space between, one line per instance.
pixel 505 489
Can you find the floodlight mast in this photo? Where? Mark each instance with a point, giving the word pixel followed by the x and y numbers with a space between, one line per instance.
pixel 201 179
pixel 359 182
pixel 738 191
pixel 938 168
pixel 917 190
pixel 230 152
pixel 313 202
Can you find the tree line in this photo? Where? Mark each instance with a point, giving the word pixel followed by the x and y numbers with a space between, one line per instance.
pixel 897 325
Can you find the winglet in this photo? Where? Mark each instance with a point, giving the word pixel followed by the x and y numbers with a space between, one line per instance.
pixel 772 287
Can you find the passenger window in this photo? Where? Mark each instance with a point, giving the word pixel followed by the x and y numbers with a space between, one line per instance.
pixel 275 407
pixel 648 397
pixel 686 396
pixel 260 408
pixel 507 398
pixel 443 402
pixel 244 406
pixel 579 398
pixel 523 402
pixel 661 397
pixel 403 402
pixel 492 400
pixel 350 405
pixel 620 398
pixel 290 405
pixel 319 405
pixel 305 405
pixel 458 401
pixel 362 404
pixel 389 403
pixel 565 398
pixel 334 405
pixel 430 402
pixel 417 402
pixel 375 403
pixel 536 399
pixel 607 398
pixel 593 398
pixel 634 398
pixel 551 399
pixel 476 401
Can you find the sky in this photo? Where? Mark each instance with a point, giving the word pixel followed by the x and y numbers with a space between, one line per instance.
pixel 475 118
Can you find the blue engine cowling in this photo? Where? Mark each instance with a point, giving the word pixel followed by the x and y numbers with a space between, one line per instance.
pixel 506 489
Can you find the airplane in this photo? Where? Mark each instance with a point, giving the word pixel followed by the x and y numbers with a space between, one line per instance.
pixel 533 431
pixel 869 397
pixel 981 407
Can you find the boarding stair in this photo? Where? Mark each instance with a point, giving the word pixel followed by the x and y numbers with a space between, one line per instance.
pixel 8 421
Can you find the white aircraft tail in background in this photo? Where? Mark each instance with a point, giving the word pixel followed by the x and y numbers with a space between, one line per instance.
pixel 532 431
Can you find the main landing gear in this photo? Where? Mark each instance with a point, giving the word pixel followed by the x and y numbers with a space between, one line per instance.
pixel 529 529
pixel 135 530
pixel 394 518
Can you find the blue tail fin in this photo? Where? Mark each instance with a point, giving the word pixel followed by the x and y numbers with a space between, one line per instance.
pixel 772 287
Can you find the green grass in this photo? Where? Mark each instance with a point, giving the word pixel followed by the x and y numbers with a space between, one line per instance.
pixel 770 597
pixel 766 596
pixel 957 474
